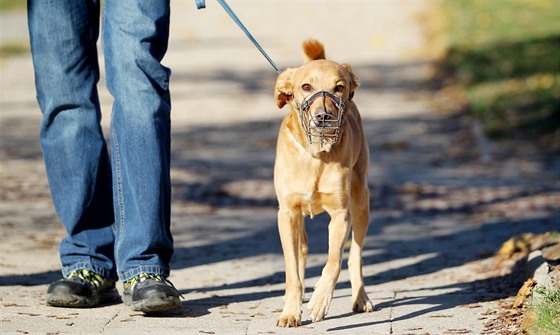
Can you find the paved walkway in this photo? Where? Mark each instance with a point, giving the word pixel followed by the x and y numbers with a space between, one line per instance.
pixel 439 211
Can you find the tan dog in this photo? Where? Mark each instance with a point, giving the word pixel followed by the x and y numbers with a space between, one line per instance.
pixel 321 165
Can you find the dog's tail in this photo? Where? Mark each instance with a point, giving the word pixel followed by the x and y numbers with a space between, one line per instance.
pixel 313 50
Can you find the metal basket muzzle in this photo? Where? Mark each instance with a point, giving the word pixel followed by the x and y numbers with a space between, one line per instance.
pixel 324 127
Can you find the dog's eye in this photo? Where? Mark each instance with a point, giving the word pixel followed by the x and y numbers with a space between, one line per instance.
pixel 339 88
pixel 306 87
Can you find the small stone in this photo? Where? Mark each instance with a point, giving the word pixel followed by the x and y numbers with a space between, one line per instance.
pixel 552 253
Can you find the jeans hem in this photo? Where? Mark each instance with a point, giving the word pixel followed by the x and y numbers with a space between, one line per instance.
pixel 107 274
pixel 154 269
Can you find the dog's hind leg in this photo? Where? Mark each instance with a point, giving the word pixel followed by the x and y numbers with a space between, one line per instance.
pixel 290 231
pixel 339 228
pixel 360 221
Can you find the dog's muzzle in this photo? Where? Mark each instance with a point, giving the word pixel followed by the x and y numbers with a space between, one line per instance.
pixel 323 127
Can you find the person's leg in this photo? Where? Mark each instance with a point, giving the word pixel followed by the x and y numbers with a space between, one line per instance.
pixel 63 37
pixel 63 42
pixel 135 36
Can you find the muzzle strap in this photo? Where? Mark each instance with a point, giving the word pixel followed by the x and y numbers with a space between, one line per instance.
pixel 323 128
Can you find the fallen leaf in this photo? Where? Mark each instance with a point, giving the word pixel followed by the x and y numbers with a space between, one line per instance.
pixel 525 291
pixel 457 331
pixel 516 244
pixel 14 305
pixel 29 314
pixel 530 318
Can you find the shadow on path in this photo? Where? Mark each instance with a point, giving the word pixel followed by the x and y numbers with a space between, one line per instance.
pixel 450 209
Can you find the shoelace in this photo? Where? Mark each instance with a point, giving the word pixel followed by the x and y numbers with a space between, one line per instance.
pixel 131 283
pixel 92 278
pixel 143 277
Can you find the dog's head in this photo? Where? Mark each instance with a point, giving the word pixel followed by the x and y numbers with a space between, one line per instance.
pixel 320 90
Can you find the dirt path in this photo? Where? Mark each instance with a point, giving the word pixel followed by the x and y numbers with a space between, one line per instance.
pixel 439 211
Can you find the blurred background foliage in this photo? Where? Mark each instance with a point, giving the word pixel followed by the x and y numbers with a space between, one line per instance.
pixel 504 59
pixel 500 58
pixel 12 48
pixel 12 4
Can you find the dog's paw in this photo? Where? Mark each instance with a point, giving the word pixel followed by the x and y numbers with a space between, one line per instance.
pixel 362 305
pixel 319 304
pixel 289 320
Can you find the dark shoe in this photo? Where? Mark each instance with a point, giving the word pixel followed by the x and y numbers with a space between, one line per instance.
pixel 82 288
pixel 149 292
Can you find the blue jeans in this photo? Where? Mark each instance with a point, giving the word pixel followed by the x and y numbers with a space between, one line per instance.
pixel 115 208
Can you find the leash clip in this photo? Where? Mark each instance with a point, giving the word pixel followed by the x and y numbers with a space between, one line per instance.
pixel 200 4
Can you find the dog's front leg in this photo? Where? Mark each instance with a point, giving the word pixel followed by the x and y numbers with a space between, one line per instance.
pixel 289 227
pixel 360 300
pixel 339 228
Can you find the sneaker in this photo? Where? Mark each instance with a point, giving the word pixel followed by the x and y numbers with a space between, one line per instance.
pixel 82 288
pixel 149 292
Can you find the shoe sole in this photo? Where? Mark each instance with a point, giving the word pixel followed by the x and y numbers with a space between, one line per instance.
pixel 156 303
pixel 63 298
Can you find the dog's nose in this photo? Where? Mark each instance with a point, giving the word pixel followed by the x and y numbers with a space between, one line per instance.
pixel 321 116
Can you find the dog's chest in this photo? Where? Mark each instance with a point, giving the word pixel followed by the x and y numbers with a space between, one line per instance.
pixel 306 184
pixel 315 203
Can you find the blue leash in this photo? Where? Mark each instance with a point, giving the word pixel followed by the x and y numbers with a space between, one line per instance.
pixel 201 4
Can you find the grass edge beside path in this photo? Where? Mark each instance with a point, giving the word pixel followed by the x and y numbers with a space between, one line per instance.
pixel 500 63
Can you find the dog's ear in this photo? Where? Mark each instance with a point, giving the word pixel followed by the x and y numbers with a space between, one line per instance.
pixel 354 81
pixel 283 90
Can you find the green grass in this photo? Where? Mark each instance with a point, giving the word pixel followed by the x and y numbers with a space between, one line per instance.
pixel 505 55
pixel 547 309
pixel 13 49
pixel 13 4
